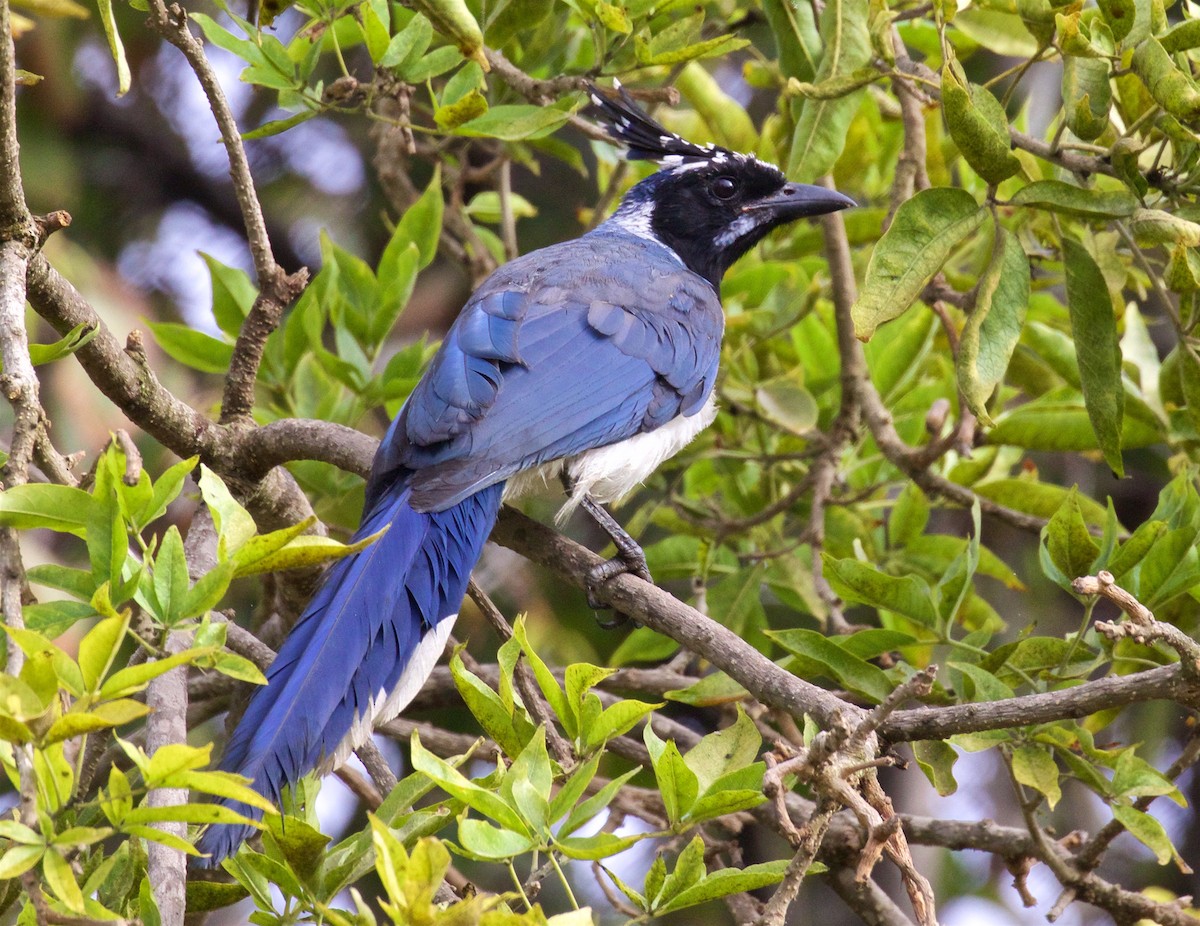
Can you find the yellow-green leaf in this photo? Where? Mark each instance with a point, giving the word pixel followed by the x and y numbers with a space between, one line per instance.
pixel 1094 327
pixel 922 236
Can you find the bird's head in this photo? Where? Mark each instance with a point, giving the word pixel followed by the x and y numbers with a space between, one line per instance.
pixel 708 204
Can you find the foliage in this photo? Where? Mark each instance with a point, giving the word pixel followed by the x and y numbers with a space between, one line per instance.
pixel 1027 297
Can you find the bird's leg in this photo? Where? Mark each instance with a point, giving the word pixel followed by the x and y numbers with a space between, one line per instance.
pixel 629 558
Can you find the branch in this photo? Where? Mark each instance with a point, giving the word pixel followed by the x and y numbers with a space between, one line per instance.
pixel 277 289
pixel 305 439
pixel 167 698
pixel 1166 683
pixel 1141 627
pixel 660 611
pixel 121 373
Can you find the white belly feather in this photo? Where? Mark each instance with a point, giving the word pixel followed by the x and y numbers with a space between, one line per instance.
pixel 608 474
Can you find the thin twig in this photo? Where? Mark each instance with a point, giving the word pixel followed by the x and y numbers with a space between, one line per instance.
pixel 277 289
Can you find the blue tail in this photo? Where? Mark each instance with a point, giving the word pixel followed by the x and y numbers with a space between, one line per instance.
pixel 361 650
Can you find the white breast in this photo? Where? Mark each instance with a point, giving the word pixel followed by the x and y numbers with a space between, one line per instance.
pixel 610 473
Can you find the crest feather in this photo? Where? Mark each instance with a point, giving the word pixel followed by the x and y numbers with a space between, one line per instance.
pixel 645 139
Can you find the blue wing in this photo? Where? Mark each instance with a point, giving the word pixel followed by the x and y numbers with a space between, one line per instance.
pixel 573 347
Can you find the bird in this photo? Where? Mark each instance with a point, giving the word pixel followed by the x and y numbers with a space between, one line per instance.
pixel 592 360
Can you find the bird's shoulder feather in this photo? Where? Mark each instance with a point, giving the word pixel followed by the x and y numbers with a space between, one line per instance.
pixel 576 346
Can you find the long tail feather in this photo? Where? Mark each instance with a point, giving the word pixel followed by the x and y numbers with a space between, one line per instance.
pixel 361 650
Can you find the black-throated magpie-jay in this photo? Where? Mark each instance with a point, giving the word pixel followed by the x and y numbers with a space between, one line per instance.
pixel 594 359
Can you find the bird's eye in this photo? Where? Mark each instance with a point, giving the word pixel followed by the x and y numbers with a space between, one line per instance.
pixel 724 187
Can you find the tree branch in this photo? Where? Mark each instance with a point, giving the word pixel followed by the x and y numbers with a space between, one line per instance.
pixel 277 289
pixel 660 611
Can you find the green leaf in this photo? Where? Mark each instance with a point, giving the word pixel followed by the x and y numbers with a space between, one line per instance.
pixel 519 121
pixel 994 326
pixel 486 206
pixel 421 225
pixel 726 881
pixel 1120 16
pixel 262 545
pixel 510 728
pixel 978 125
pixel 613 18
pixel 601 845
pixel 1147 830
pixel 593 805
pixel 99 647
pixel 170 577
pixel 101 717
pixel 829 659
pixel 60 508
pixel 1058 423
pixel 527 783
pixel 1068 199
pixel 1134 777
pixel 822 125
pixel 783 401
pixel 725 751
pixel 677 782
pixel 166 489
pixel 267 130
pixel 233 522
pixel 572 790
pixel 864 584
pixel 1087 95
pixel 1171 88
pixel 1035 767
pixel 921 238
pixel 1171 567
pixel 796 36
pixel 116 47
pixel 1038 498
pixel 376 35
pixel 61 880
pixel 219 784
pixel 454 783
pixel 74 339
pixel 408 44
pixel 208 591
pixel 688 871
pixel 485 841
pixel 438 61
pixel 563 708
pixel 1152 227
pixel 304 551
pixel 936 759
pixel 184 813
pixel 1094 327
pixel 909 516
pixel 132 679
pixel 616 720
pixel 1068 540
pixel 986 686
pixel 233 293
pixel 19 859
pixel 649 56
pixel 194 348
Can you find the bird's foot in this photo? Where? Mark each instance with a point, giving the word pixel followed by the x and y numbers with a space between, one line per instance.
pixel 629 559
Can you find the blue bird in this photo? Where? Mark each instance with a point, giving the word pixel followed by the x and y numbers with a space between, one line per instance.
pixel 593 360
